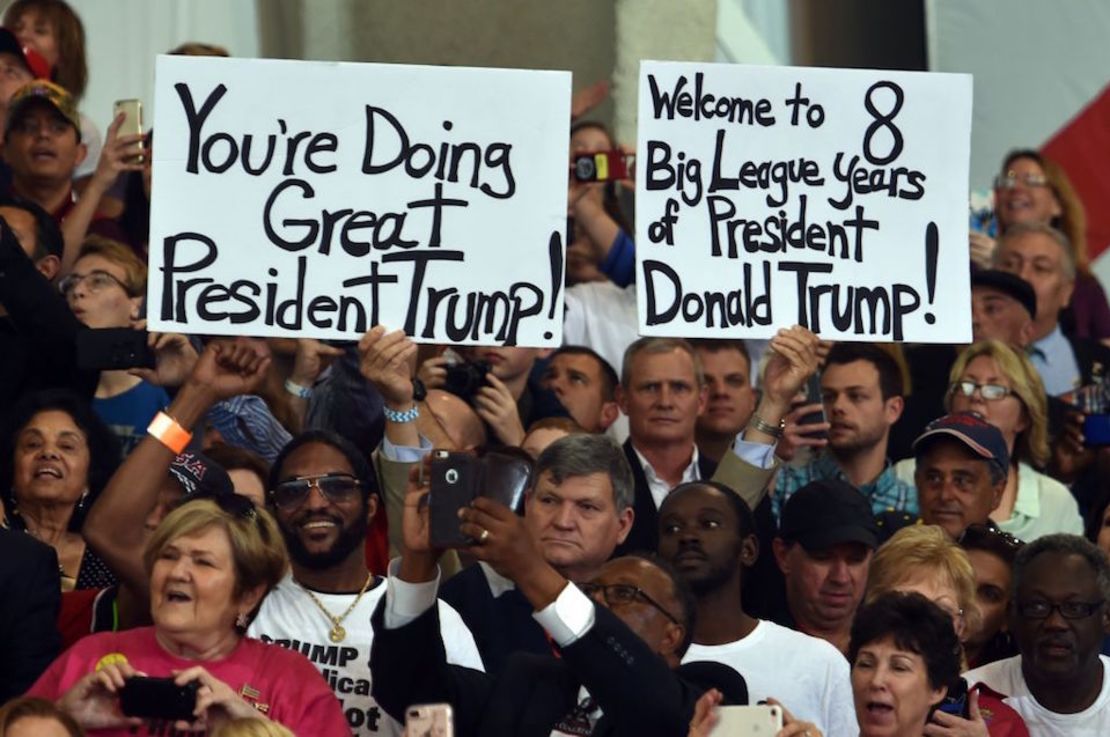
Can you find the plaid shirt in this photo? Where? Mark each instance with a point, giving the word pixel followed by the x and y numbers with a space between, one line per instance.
pixel 886 493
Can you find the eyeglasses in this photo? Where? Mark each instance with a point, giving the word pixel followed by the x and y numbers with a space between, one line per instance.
pixel 337 488
pixel 1040 609
pixel 1009 181
pixel 97 281
pixel 623 593
pixel 989 392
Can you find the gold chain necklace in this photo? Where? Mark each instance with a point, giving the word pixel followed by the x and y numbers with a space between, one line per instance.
pixel 337 632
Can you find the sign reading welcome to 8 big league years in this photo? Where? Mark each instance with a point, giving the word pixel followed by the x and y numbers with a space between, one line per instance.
pixel 320 199
pixel 830 198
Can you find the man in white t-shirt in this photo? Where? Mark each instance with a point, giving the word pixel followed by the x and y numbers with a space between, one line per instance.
pixel 321 497
pixel 707 532
pixel 1060 685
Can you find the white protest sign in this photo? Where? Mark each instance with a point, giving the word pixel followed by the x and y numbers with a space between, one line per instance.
pixel 319 199
pixel 831 198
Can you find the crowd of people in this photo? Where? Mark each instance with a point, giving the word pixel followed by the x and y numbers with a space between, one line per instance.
pixel 245 536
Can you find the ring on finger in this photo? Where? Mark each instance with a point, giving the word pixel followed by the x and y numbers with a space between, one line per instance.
pixel 483 537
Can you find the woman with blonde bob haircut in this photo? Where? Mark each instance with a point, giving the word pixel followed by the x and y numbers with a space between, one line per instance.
pixel 1000 384
pixel 921 558
pixel 211 561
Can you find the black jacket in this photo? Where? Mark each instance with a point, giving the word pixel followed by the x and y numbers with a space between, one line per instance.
pixel 638 694
pixel 30 595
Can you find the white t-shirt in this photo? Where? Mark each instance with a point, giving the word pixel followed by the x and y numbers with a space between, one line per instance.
pixel 290 618
pixel 1005 677
pixel 805 674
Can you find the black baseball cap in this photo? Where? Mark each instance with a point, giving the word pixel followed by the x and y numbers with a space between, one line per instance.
pixel 200 475
pixel 973 431
pixel 1009 284
pixel 826 513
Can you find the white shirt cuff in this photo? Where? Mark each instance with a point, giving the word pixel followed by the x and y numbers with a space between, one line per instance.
pixel 406 453
pixel 759 455
pixel 405 601
pixel 569 617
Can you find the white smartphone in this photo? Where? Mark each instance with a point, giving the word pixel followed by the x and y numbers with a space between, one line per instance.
pixel 748 721
pixel 429 720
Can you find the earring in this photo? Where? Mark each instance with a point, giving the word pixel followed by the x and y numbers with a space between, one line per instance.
pixel 82 500
pixel 241 621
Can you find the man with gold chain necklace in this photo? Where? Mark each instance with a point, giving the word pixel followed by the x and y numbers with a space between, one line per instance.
pixel 321 495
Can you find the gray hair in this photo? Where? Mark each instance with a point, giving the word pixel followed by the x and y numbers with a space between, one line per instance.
pixel 655 346
pixel 1063 544
pixel 1019 229
pixel 584 454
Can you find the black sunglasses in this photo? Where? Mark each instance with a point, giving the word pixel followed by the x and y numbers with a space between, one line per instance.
pixel 337 488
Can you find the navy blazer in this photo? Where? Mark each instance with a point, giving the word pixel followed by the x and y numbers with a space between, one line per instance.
pixel 638 694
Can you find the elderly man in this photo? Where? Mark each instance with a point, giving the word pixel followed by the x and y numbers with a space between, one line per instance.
pixel 961 465
pixel 1042 256
pixel 1059 614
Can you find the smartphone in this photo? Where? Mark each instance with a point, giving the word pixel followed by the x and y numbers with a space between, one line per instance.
pixel 813 396
pixel 429 720
pixel 453 487
pixel 956 701
pixel 111 349
pixel 132 122
pixel 748 721
pixel 459 478
pixel 158 698
pixel 602 166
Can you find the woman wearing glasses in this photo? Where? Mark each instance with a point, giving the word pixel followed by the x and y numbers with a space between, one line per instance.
pixel 1033 189
pixel 210 562
pixel 1000 384
pixel 105 290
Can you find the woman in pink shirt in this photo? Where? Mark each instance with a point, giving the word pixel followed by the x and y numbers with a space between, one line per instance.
pixel 211 562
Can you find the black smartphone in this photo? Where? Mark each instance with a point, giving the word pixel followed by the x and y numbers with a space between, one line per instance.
pixel 465 379
pixel 110 349
pixel 813 396
pixel 454 486
pixel 158 698
pixel 459 478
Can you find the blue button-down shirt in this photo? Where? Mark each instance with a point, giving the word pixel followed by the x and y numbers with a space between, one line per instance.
pixel 1054 360
pixel 886 493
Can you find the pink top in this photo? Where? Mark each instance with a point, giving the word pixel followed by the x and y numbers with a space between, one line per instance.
pixel 281 683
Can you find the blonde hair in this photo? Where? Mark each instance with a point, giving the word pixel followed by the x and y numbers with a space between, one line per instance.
pixel 134 268
pixel 247 727
pixel 257 549
pixel 1031 444
pixel 924 551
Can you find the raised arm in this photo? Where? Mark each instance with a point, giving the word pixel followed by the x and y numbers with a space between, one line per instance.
pixel 115 524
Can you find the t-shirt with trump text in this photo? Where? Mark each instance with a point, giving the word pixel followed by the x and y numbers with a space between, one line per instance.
pixel 289 617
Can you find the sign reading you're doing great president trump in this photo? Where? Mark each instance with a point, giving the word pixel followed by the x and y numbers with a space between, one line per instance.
pixel 320 199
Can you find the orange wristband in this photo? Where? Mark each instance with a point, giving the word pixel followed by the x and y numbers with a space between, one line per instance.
pixel 169 432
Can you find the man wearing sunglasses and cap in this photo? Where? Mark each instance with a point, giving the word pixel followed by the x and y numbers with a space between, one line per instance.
pixel 322 495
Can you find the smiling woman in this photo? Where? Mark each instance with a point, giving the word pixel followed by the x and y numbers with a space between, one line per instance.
pixel 55 457
pixel 211 562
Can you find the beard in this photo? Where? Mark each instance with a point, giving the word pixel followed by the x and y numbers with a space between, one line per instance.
pixel 349 539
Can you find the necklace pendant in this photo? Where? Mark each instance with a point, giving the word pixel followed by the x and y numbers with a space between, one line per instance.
pixel 337 633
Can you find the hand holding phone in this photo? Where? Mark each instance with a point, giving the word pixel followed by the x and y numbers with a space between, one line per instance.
pixel 603 166
pixel 114 349
pixel 158 698
pixel 132 125
pixel 756 720
pixel 459 478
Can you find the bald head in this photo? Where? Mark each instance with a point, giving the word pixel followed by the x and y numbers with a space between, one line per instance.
pixel 450 423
